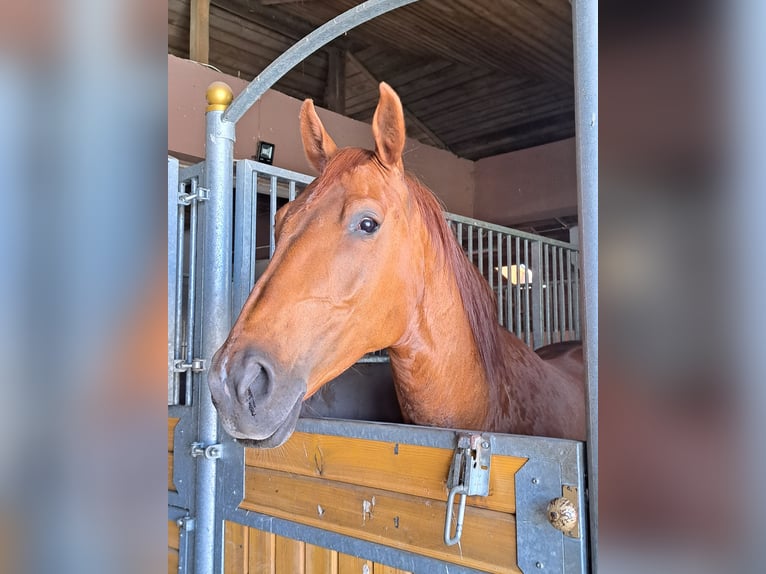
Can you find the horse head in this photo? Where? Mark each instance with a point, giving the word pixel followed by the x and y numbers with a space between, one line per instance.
pixel 340 283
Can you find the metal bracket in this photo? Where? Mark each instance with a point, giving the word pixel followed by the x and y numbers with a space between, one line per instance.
pixel 468 476
pixel 210 451
pixel 202 194
pixel 180 366
pixel 185 523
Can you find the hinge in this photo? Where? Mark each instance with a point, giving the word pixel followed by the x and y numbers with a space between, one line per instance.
pixel 180 366
pixel 201 194
pixel 210 451
pixel 468 476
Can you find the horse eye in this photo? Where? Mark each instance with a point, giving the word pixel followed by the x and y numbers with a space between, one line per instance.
pixel 368 225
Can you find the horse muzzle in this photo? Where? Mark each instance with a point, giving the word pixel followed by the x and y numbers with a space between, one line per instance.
pixel 253 401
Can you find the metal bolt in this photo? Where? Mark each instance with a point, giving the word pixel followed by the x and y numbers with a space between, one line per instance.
pixel 538 564
pixel 485 444
pixel 180 522
pixel 535 481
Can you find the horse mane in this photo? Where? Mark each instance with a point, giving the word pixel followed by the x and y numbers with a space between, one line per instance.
pixel 477 297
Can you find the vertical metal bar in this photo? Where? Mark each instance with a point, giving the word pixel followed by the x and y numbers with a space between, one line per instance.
pixel 562 308
pixel 291 191
pixel 527 287
pixel 517 290
pixel 555 294
pixel 481 250
pixel 499 276
pixel 173 300
pixel 460 234
pixel 490 266
pixel 253 193
pixel 585 40
pixel 244 241
pixel 192 290
pixel 181 210
pixel 537 295
pixel 576 295
pixel 570 310
pixel 547 294
pixel 509 285
pixel 216 320
pixel 272 213
pixel 470 243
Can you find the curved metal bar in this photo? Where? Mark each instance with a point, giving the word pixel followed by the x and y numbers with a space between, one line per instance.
pixel 462 490
pixel 304 48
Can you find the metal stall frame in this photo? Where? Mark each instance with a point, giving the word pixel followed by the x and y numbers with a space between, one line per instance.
pixel 201 513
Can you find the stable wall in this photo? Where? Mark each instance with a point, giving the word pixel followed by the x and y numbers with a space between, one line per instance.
pixel 507 189
pixel 527 185
pixel 274 118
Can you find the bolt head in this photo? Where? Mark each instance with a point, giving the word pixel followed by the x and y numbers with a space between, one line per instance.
pixel 535 480
pixel 485 444
pixel 538 564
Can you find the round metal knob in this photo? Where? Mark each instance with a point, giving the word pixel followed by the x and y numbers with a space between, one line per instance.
pixel 562 514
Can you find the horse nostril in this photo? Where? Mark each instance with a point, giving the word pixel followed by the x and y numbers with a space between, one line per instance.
pixel 252 384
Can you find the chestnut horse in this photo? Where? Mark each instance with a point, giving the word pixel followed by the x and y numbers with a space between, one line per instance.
pixel 365 260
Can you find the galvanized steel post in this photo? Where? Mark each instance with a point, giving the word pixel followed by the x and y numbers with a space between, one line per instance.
pixel 585 32
pixel 216 316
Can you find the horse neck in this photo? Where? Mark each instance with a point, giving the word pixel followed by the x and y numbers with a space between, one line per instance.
pixel 438 372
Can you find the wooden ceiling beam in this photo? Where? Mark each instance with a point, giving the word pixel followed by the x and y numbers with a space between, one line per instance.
pixel 410 118
pixel 199 31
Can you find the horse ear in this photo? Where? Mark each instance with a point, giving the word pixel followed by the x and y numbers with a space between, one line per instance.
pixel 388 127
pixel 317 144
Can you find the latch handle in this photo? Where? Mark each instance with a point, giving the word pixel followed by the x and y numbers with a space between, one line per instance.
pixel 449 540
pixel 468 476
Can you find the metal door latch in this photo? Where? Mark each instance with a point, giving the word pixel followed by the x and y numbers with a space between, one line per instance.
pixel 200 194
pixel 180 366
pixel 468 476
pixel 210 451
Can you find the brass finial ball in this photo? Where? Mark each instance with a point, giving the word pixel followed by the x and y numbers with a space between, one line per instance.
pixel 219 96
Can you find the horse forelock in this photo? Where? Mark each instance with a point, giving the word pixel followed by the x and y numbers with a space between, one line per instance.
pixel 345 160
pixel 477 298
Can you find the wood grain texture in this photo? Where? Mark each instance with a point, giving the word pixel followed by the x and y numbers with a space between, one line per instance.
pixel 235 547
pixel 402 521
pixel 262 549
pixel 173 535
pixel 348 564
pixel 408 469
pixel 171 484
pixel 289 556
pixel 172 422
pixel 321 560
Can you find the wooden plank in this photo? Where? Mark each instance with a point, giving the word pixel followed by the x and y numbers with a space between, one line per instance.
pixel 235 544
pixel 262 547
pixel 410 523
pixel 289 556
pixel 172 561
pixel 348 564
pixel 172 422
pixel 199 31
pixel 171 484
pixel 174 535
pixel 407 469
pixel 383 569
pixel 321 560
pixel 335 93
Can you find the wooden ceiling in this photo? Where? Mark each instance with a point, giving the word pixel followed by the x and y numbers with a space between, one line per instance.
pixel 476 77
